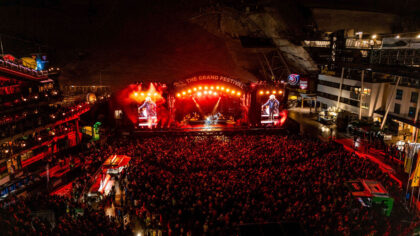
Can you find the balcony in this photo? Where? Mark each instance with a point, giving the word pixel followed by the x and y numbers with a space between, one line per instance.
pixel 20 70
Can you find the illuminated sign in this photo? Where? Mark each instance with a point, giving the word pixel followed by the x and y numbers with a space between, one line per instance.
pixel 293 79
pixel 303 84
pixel 209 77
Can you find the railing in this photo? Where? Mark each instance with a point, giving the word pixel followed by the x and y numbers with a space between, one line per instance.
pixel 405 57
pixel 350 43
pixel 362 43
pixel 23 69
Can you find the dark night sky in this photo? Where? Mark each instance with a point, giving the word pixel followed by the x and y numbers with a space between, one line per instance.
pixel 126 41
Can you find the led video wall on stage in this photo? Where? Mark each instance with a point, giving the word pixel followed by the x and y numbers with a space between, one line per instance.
pixel 203 100
pixel 269 104
pixel 144 104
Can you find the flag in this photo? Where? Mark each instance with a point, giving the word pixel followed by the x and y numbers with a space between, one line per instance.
pixel 416 174
pixel 408 162
pixel 410 151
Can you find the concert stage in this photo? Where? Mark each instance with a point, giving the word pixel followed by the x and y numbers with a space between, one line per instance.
pixel 200 131
pixel 289 127
pixel 203 103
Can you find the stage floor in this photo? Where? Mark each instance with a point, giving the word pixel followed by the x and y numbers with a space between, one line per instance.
pixel 210 130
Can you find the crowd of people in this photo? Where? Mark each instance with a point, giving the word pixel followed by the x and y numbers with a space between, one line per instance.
pixel 208 185
pixel 54 215
pixel 394 155
pixel 212 185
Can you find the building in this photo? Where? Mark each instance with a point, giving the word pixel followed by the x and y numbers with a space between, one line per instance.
pixel 34 121
pixel 368 82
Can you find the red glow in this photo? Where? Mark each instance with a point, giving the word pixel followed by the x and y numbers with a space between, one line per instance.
pixel 283 116
pixel 127 98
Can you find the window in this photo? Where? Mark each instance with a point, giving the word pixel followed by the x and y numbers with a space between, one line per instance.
pixel 397 108
pixel 365 105
pixel 414 97
pixel 354 103
pixel 354 95
pixel 399 94
pixel 366 91
pixel 412 112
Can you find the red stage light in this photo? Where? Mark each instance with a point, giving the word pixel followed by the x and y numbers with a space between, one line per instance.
pixel 239 94
pixel 206 88
pixel 189 90
pixel 155 94
pixel 142 94
pixel 178 95
pixel 136 94
pixel 183 92
pixel 200 88
pixel 211 87
pixel 267 92
pixel 283 115
pixel 274 91
pixel 222 88
pixel 205 92
pixel 217 87
pixel 227 90
pixel 199 94
pixel 280 92
pixel 261 92
pixel 195 89
pixel 215 94
pixel 233 91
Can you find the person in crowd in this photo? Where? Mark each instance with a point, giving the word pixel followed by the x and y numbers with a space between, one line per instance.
pixel 212 185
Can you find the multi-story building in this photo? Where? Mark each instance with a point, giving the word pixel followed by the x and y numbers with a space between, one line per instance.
pixel 328 92
pixel 34 122
pixel 390 81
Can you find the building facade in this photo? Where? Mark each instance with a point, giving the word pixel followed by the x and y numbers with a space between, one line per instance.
pixel 371 99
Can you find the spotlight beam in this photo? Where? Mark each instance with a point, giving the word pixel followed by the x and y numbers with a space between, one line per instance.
pixel 216 106
pixel 198 106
